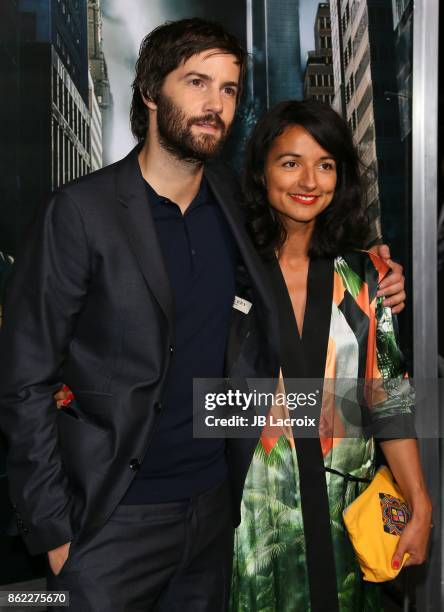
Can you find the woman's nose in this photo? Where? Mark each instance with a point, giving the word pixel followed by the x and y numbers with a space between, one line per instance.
pixel 307 178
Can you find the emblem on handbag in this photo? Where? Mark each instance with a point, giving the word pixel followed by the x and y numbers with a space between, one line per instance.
pixel 395 514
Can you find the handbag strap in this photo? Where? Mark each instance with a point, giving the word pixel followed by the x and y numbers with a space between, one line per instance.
pixel 347 478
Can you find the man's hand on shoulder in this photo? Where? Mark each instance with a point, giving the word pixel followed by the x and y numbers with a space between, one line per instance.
pixel 392 287
pixel 57 558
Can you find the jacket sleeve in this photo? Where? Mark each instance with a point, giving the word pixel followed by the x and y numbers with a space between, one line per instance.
pixel 391 397
pixel 46 293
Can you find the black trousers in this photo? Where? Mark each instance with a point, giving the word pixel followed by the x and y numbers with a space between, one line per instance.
pixel 155 557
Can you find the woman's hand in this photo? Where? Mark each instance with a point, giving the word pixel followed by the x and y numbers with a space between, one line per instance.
pixel 403 458
pixel 392 287
pixel 64 396
pixel 414 539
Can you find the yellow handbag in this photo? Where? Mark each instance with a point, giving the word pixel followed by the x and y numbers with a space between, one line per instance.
pixel 375 521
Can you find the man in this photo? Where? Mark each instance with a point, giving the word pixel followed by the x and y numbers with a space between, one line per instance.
pixel 125 294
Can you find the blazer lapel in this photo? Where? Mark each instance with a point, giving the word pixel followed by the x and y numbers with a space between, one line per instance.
pixel 252 280
pixel 240 321
pixel 229 198
pixel 139 225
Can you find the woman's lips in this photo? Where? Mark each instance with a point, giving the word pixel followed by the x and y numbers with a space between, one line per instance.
pixel 304 199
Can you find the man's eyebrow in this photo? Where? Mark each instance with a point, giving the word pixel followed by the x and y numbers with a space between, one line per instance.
pixel 201 75
pixel 207 77
pixel 231 84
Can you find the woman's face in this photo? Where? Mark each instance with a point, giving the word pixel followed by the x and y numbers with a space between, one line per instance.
pixel 300 176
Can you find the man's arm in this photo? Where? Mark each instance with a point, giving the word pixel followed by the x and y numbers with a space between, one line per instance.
pixel 392 287
pixel 46 292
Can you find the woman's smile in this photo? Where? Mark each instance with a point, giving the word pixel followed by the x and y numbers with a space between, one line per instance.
pixel 304 199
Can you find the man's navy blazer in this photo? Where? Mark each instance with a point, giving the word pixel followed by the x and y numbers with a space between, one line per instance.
pixel 89 304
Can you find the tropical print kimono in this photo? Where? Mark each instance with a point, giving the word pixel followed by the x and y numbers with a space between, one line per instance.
pixel 292 553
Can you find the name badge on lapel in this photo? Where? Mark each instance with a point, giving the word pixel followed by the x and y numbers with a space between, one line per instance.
pixel 242 305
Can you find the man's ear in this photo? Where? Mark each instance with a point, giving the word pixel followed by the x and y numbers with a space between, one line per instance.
pixel 148 101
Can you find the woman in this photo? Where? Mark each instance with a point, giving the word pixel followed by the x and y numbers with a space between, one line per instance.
pixel 307 216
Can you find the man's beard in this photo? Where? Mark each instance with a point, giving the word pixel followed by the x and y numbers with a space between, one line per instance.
pixel 176 136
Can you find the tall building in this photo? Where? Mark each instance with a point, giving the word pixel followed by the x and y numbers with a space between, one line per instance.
pixel 274 42
pixel 400 7
pixel 364 61
pixel 96 149
pixel 337 56
pixel 99 72
pixel 63 24
pixel 318 78
pixel 55 119
pixel 403 26
pixel 9 124
pixel 56 149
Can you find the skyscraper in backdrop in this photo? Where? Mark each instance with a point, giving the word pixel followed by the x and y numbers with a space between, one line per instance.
pixel 365 70
pixel 102 90
pixel 54 67
pixel 318 77
pixel 403 25
pixel 9 124
pixel 273 39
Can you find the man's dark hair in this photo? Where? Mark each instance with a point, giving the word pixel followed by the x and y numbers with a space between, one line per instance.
pixel 343 225
pixel 168 46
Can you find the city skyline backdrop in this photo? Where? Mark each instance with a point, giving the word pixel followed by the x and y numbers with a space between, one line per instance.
pixel 83 100
pixel 124 30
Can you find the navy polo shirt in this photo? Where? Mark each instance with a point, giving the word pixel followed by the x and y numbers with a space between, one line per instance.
pixel 200 256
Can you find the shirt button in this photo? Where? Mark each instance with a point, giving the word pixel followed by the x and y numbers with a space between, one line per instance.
pixel 158 407
pixel 171 348
pixel 193 252
pixel 134 465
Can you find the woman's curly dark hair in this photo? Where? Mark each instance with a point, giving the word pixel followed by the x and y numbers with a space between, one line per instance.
pixel 343 225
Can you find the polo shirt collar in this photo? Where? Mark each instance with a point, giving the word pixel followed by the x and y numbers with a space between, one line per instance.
pixel 156 200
